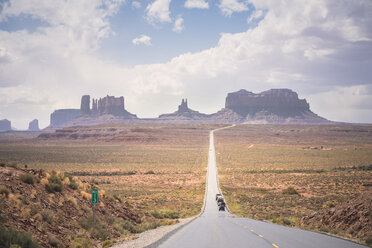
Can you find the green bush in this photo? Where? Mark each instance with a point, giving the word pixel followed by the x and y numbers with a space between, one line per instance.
pixel 107 243
pixel 27 178
pixel 289 191
pixel 165 214
pixel 55 183
pixel 98 230
pixel 4 191
pixel 9 237
pixel 80 243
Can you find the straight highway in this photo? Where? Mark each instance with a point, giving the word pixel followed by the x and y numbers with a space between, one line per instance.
pixel 221 229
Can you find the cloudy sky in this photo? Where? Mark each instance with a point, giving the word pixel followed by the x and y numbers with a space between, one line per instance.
pixel 155 52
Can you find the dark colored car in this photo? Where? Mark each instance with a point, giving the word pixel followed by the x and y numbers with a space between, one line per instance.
pixel 218 195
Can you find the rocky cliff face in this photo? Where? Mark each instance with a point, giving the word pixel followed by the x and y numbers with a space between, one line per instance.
pixel 5 125
pixel 62 116
pixel 34 125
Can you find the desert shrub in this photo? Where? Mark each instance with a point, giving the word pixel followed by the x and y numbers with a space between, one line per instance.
pixel 35 208
pixel 54 242
pixel 324 229
pixel 107 243
pixel 2 164
pixel 145 226
pixel 80 243
pixel 123 226
pixel 165 213
pixel 331 205
pixel 369 241
pixel 286 222
pixel 73 184
pixel 10 237
pixel 149 172
pixel 117 197
pixel 13 165
pixel 289 191
pixel 55 183
pixel 47 216
pixel 27 178
pixel 98 230
pixel 4 191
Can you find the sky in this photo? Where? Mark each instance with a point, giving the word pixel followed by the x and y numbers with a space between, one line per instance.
pixel 156 52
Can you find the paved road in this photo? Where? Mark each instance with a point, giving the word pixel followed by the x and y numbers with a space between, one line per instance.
pixel 214 229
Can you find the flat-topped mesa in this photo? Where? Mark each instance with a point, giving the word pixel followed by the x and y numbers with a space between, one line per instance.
pixel 62 116
pixel 5 125
pixel 282 102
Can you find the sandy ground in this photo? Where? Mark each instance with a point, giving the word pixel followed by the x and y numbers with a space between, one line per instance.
pixel 151 236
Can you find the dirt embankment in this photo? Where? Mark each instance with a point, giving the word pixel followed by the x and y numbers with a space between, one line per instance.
pixel 352 218
pixel 56 209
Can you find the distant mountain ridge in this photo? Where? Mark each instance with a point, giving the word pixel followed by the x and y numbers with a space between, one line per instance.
pixel 274 106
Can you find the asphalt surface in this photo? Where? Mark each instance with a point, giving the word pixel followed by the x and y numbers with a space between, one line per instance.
pixel 215 229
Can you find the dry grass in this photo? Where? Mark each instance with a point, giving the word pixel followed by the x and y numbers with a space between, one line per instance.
pixel 257 162
pixel 151 166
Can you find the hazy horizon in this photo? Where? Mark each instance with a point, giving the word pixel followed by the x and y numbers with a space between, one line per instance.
pixel 156 52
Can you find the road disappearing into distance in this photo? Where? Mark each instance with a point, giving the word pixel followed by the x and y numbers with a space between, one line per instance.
pixel 222 229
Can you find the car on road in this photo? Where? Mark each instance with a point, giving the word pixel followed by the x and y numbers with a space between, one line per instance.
pixel 218 195
pixel 220 199
pixel 221 206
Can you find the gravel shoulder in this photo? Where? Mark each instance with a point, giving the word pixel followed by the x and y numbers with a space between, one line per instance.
pixel 151 236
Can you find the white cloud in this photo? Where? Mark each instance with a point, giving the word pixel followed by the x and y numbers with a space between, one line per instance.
pixel 228 7
pixel 136 4
pixel 143 39
pixel 158 11
pixel 178 25
pixel 197 4
pixel 257 14
pixel 321 49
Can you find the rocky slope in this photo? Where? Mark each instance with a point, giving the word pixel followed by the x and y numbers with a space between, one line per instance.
pixel 353 218
pixel 56 208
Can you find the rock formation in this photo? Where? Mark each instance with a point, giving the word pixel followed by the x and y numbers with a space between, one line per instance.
pixel 183 113
pixel 353 214
pixel 276 106
pixel 5 125
pixel 108 105
pixel 62 116
pixel 84 107
pixel 34 125
pixel 282 102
